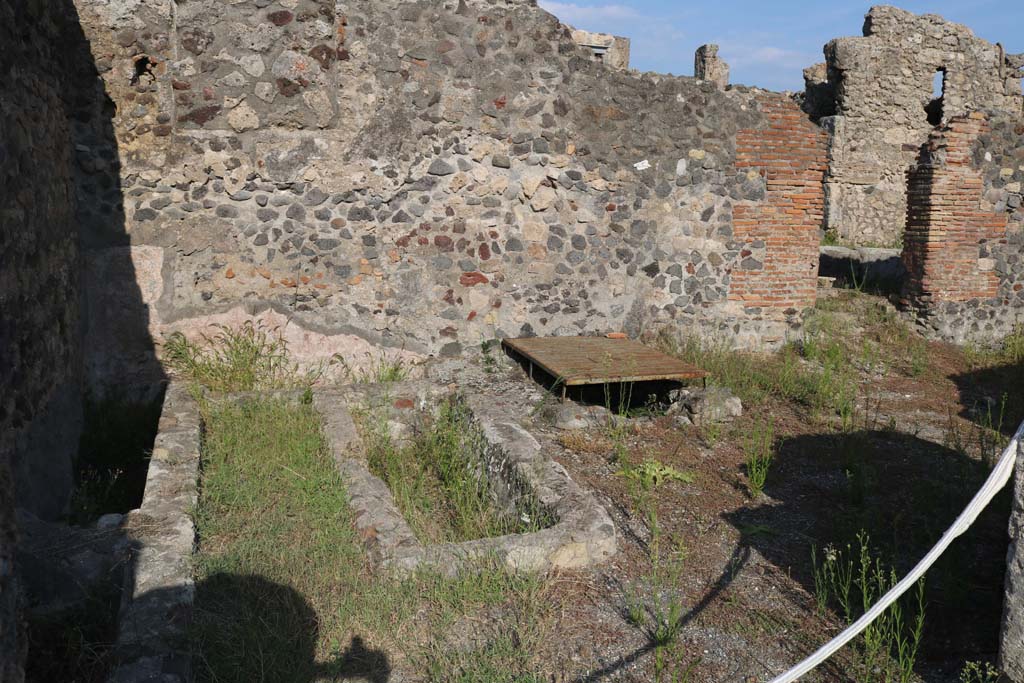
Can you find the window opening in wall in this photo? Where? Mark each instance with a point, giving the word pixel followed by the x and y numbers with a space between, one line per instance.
pixel 143 68
pixel 934 107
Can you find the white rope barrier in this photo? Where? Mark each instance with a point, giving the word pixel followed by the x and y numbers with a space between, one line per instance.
pixel 995 482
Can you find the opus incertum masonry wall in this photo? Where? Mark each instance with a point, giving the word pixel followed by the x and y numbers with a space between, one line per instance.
pixel 411 177
pixel 421 175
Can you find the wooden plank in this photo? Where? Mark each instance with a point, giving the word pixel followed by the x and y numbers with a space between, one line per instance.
pixel 599 360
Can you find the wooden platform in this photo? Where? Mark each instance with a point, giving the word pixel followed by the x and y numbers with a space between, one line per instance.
pixel 577 361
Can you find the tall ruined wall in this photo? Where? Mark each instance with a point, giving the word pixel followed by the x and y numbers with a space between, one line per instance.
pixel 964 248
pixel 40 369
pixel 880 89
pixel 423 175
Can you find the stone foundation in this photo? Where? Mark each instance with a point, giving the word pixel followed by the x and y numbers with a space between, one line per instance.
pixel 582 533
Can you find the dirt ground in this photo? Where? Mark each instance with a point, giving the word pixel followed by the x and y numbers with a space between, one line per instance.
pixel 745 581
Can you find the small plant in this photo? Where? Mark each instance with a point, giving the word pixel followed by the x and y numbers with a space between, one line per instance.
pixel 668 610
pixel 918 358
pixel 486 348
pixel 646 477
pixel 857 283
pixel 1013 346
pixel 651 474
pixel 712 433
pixel 989 433
pixel 759 449
pixel 830 238
pixel 667 623
pixel 382 370
pixel 979 672
pixel 636 611
pixel 890 644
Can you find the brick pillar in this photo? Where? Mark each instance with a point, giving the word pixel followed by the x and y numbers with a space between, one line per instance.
pixel 945 222
pixel 778 268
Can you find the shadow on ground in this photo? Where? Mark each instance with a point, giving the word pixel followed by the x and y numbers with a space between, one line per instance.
pixel 993 396
pixel 246 628
pixel 903 492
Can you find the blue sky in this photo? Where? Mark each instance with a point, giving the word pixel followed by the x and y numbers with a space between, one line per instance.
pixel 766 43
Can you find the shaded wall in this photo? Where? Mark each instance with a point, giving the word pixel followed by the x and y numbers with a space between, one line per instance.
pixel 59 188
pixel 40 411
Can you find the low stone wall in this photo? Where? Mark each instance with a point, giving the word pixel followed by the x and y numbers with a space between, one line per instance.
pixel 152 641
pixel 582 534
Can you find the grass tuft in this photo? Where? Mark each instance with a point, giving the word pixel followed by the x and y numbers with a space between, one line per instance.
pixel 760 451
pixel 437 479
pixel 245 358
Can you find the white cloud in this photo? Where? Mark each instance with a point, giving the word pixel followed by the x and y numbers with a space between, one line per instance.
pixel 572 13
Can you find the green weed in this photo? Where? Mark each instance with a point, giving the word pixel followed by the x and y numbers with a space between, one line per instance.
pixel 760 453
pixel 245 358
pixel 437 481
pixel 283 592
pixel 486 352
pixel 979 672
pixel 651 474
pixel 854 580
pixel 382 370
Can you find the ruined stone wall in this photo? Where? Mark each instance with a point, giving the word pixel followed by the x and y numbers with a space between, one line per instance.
pixel 964 248
pixel 420 176
pixel 40 369
pixel 604 47
pixel 880 92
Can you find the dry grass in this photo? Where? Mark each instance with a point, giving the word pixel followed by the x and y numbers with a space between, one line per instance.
pixel 581 441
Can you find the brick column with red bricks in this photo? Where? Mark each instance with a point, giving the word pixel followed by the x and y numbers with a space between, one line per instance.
pixel 946 224
pixel 778 270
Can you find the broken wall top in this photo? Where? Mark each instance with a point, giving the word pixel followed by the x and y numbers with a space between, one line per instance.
pixel 892 67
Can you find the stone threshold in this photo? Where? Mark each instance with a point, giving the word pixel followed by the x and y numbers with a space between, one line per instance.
pixel 583 533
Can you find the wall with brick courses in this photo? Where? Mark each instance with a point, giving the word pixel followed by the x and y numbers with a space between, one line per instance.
pixel 790 155
pixel 412 177
pixel 875 98
pixel 964 251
